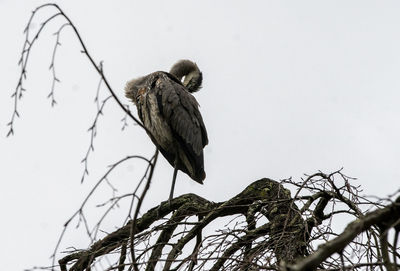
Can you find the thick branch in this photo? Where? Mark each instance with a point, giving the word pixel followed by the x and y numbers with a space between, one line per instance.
pixel 270 195
pixel 277 201
pixel 117 238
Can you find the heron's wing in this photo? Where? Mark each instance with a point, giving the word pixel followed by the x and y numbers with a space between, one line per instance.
pixel 181 110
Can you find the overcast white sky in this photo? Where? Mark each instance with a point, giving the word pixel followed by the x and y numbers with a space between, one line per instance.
pixel 290 87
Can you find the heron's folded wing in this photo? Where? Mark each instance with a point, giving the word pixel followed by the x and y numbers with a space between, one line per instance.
pixel 180 110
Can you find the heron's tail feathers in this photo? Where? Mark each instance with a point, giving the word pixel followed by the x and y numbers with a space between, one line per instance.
pixel 199 176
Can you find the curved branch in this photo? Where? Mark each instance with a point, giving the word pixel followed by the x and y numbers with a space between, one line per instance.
pixel 25 57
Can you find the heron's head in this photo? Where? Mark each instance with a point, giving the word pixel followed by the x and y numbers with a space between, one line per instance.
pixel 132 87
pixel 191 74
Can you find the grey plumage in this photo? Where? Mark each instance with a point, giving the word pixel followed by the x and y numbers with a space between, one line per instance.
pixel 171 115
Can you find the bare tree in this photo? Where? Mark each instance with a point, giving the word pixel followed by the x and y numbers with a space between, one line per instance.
pixel 268 228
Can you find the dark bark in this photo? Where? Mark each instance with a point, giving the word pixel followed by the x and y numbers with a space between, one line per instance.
pixel 285 227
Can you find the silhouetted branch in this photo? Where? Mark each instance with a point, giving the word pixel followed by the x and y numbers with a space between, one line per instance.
pixel 26 53
pixel 139 204
pixel 52 65
pixel 23 62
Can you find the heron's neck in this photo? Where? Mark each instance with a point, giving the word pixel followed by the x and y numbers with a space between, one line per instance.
pixel 192 74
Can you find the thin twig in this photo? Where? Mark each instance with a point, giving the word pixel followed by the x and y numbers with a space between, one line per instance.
pixel 139 204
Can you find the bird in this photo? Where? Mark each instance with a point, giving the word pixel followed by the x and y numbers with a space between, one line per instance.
pixel 171 117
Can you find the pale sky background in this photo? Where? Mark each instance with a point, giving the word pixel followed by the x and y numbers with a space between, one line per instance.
pixel 290 87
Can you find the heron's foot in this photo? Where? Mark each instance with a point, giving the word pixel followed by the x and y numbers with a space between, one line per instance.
pixel 159 211
pixel 170 205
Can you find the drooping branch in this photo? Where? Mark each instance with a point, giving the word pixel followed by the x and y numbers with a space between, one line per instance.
pixel 27 48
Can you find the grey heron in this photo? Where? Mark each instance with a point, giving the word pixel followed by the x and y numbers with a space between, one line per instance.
pixel 172 118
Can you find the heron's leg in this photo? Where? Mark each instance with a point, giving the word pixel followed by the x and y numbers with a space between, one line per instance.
pixel 171 193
